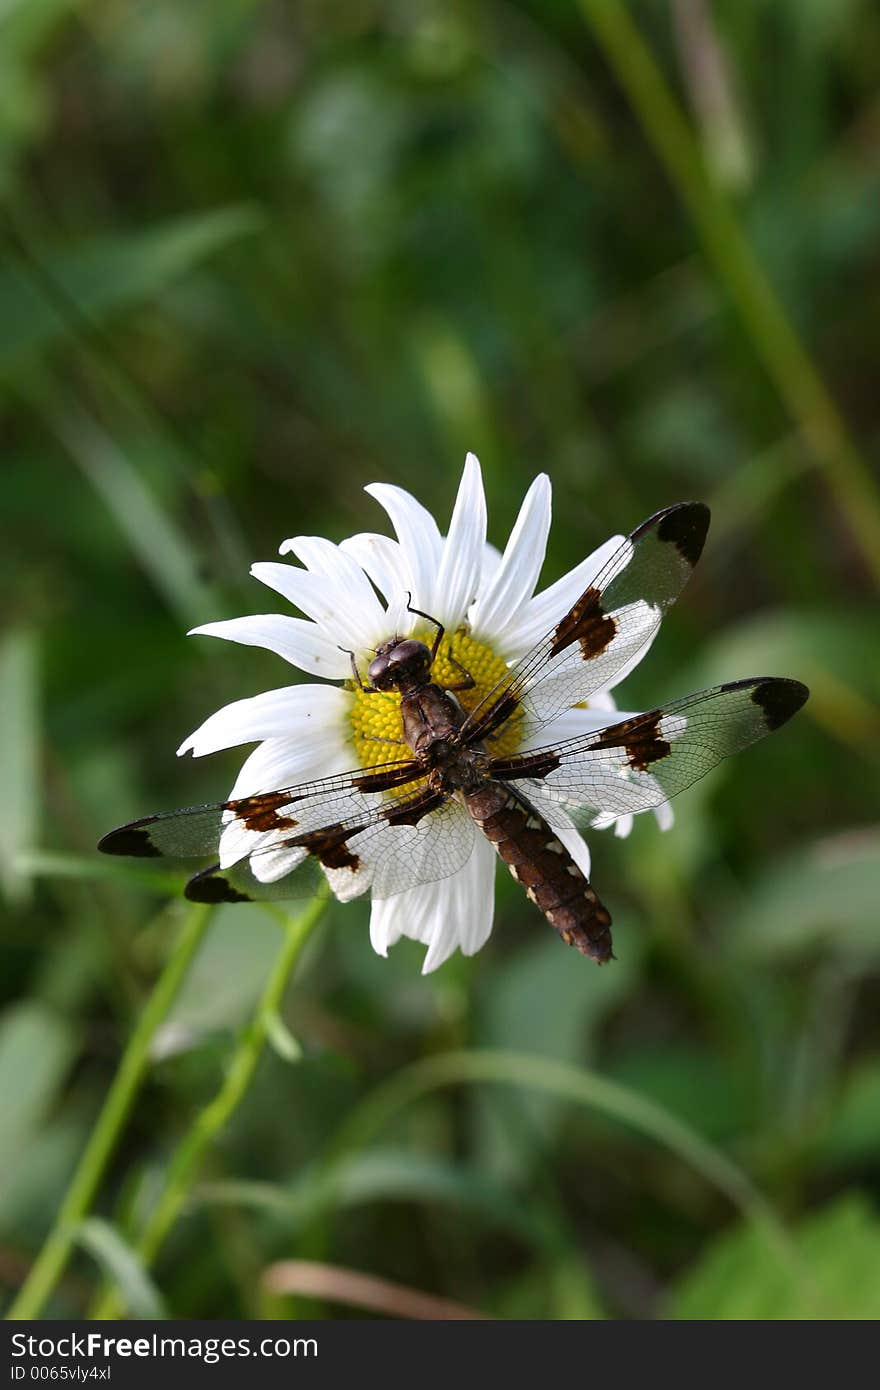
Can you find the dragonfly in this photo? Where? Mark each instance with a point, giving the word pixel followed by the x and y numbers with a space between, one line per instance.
pixel 397 824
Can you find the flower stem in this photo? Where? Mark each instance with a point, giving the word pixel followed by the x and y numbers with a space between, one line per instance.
pixel 211 1120
pixel 773 336
pixel 49 1264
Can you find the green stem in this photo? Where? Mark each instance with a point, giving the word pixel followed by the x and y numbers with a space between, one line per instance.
pixel 774 338
pixel 584 1088
pixel 215 1116
pixel 49 1264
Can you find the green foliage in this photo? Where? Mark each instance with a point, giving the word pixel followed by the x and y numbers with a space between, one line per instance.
pixel 139 1295
pixel 256 256
pixel 44 295
pixel 19 756
pixel 840 1253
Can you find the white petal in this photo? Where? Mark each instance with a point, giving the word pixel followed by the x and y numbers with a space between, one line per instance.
pixel 301 643
pixel 421 545
pixel 344 620
pixel 623 825
pixel 385 924
pixel 295 710
pixel 513 582
pixel 458 577
pixel 571 678
pixel 635 660
pixel 543 611
pixel 577 847
pixel 491 561
pixel 335 566
pixel 279 763
pixel 346 885
pixel 573 723
pixel 455 912
pixel 285 762
pixel 380 557
pixel 274 864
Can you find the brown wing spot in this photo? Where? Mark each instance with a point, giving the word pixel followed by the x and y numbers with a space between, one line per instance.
pixel 412 811
pixel 260 812
pixel 482 722
pixel 585 624
pixel 384 781
pixel 640 737
pixel 525 765
pixel 330 845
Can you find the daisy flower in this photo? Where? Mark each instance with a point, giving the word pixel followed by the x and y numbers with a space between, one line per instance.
pixel 355 596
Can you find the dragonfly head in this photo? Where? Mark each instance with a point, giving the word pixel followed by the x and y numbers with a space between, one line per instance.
pixel 402 662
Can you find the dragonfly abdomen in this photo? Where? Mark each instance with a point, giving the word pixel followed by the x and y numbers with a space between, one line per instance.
pixel 540 862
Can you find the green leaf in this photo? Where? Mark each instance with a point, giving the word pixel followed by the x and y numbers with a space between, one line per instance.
pixel 816 646
pixel 225 981
pixel 559 1291
pixel 165 552
pixel 47 863
pixel 36 1050
pixel 122 1267
pixel 395 1175
pixel 281 1039
pixel 852 1131
pixel 688 1081
pixel 19 758
pixel 44 294
pixel 824 899
pixel 840 1251
pixel 574 1001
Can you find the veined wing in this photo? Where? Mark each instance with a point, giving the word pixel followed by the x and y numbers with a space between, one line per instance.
pixel 612 621
pixel 195 831
pixel 639 763
pixel 380 828
pixel 419 839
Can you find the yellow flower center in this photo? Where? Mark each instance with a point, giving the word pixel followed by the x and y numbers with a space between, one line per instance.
pixel 376 725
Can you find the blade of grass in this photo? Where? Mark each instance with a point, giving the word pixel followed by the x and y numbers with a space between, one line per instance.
pixel 584 1088
pixel 773 337
pixel 19 758
pixel 334 1284
pixel 46 294
pixel 50 1263
pixel 121 1264
pixel 185 1164
pixel 49 863
pixel 166 556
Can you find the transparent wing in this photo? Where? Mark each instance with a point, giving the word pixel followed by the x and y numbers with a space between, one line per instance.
pixel 639 763
pixel 195 831
pixel 381 829
pixel 611 622
pixel 383 858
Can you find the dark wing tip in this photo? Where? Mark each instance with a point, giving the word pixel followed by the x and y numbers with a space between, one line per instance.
pixel 779 698
pixel 132 839
pixel 685 526
pixel 211 886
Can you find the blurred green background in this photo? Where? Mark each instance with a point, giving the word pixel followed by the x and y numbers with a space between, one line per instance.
pixel 256 255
